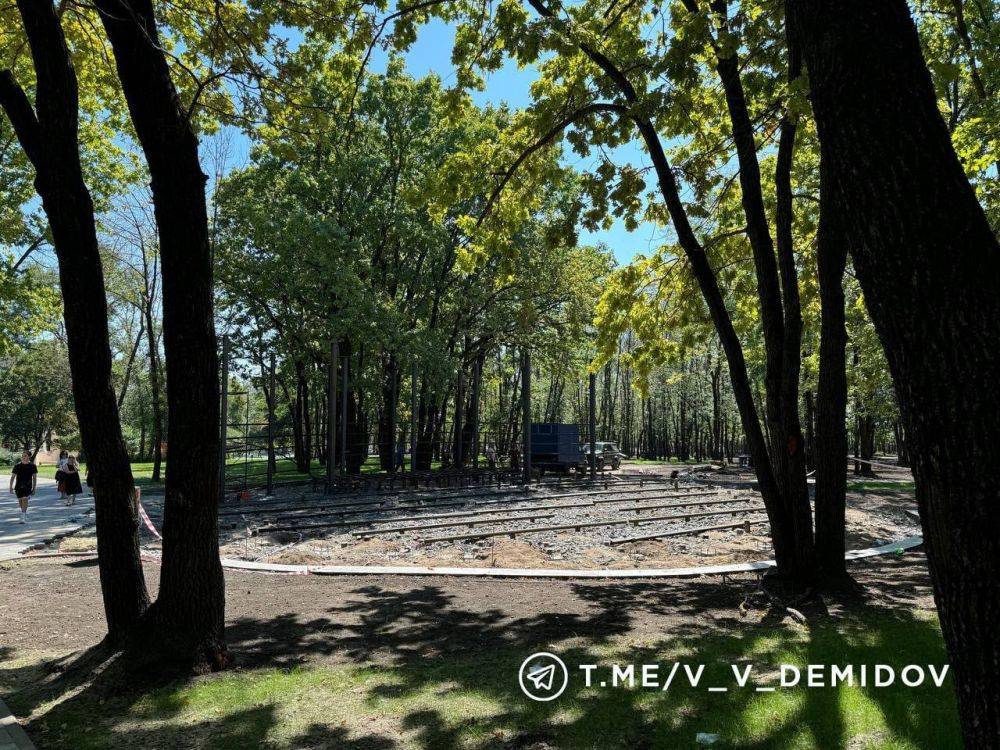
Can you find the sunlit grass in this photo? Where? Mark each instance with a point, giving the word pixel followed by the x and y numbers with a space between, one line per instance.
pixel 471 700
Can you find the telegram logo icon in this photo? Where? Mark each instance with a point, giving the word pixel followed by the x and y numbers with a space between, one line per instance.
pixel 543 676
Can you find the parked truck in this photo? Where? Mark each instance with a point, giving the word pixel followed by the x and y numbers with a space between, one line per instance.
pixel 555 447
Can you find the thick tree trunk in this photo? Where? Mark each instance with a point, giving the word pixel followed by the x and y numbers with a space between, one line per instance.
pixel 866 445
pixel 790 454
pixel 831 398
pixel 717 412
pixel 387 415
pixel 357 420
pixel 902 451
pixel 154 387
pixel 929 265
pixel 295 410
pixel 49 139
pixel 810 405
pixel 425 428
pixel 187 618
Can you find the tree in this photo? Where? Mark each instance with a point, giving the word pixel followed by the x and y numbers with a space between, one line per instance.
pixel 187 619
pixel 929 265
pixel 328 235
pixel 36 397
pixel 48 134
pixel 604 84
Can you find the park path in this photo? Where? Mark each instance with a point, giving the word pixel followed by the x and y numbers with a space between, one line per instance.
pixel 48 518
pixel 12 737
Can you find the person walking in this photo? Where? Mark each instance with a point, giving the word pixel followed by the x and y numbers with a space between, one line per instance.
pixel 23 480
pixel 60 467
pixel 71 480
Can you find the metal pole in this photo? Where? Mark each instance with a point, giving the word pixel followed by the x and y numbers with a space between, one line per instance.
pixel 331 416
pixel 270 429
pixel 343 414
pixel 224 418
pixel 592 426
pixel 526 413
pixel 413 417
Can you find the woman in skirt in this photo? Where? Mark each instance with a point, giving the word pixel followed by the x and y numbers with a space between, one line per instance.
pixel 70 480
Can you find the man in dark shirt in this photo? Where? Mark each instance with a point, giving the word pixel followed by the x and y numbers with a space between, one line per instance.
pixel 23 480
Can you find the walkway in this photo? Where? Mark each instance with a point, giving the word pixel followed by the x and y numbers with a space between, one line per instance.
pixel 48 518
pixel 12 737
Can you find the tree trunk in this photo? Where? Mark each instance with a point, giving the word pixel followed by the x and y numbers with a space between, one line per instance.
pixel 789 452
pixel 902 452
pixel 929 265
pixel 188 616
pixel 49 138
pixel 831 398
pixel 154 386
pixel 810 403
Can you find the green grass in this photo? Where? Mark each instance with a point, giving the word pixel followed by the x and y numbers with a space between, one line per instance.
pixel 467 698
pixel 143 471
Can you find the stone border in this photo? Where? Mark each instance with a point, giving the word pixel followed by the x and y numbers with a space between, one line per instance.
pixel 11 732
pixel 897 546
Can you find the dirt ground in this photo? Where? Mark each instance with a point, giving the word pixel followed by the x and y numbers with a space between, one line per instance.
pixel 51 610
pixel 54 606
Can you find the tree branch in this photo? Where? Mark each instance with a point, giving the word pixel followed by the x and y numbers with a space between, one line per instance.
pixel 547 138
pixel 22 117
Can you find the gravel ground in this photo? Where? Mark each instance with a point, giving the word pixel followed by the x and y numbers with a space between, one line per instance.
pixel 278 529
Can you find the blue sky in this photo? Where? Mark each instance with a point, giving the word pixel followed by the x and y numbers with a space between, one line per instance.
pixel 431 53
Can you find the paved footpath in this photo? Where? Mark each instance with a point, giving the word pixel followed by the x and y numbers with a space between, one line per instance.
pixel 12 737
pixel 48 517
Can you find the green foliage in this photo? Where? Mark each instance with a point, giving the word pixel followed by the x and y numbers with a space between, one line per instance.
pixel 961 42
pixel 36 398
pixel 329 235
pixel 29 305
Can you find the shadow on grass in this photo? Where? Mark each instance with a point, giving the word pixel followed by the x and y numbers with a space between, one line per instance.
pixel 411 668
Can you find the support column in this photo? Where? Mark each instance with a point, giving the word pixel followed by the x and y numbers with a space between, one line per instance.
pixel 526 414
pixel 592 425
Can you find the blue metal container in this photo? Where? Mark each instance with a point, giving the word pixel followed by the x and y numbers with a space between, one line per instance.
pixel 555 446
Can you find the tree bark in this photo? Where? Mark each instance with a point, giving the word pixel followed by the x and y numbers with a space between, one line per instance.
pixel 929 265
pixel 187 619
pixel 49 136
pixel 154 367
pixel 790 453
pixel 831 397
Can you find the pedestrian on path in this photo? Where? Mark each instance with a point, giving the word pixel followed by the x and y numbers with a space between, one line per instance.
pixel 69 480
pixel 61 466
pixel 23 480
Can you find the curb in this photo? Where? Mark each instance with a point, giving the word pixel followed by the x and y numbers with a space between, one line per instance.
pixel 12 736
pixel 895 547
